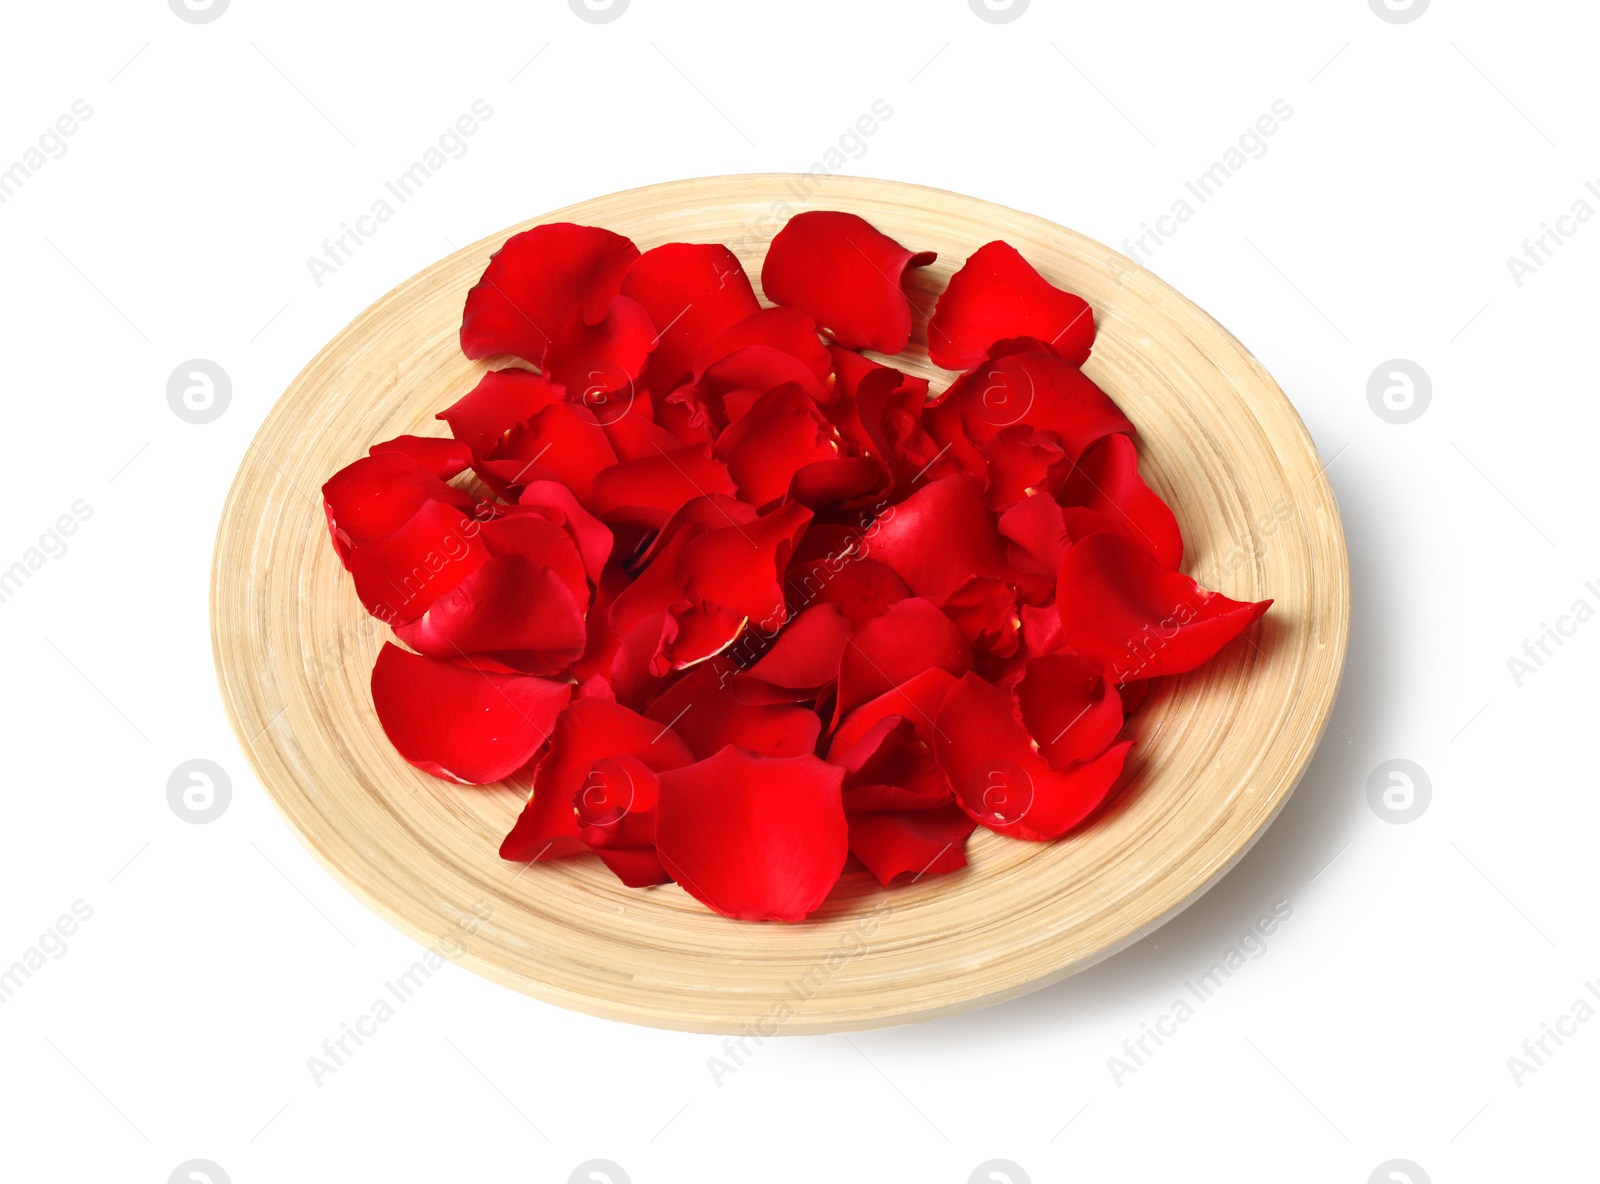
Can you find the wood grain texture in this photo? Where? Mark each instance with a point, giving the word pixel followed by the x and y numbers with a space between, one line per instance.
pixel 1220 750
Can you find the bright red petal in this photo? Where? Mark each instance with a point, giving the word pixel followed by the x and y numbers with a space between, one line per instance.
pixel 782 433
pixel 1105 492
pixel 377 495
pixel 909 638
pixel 589 732
pixel 649 490
pixel 460 723
pixel 536 281
pixel 939 538
pixel 921 842
pixel 760 839
pixel 1122 610
pixel 1071 710
pixel 846 275
pixel 703 709
pixel 599 363
pixel 807 652
pixel 998 778
pixel 692 292
pixel 997 295
pixel 441 456
pixel 501 400
pixel 399 575
pixel 787 330
pixel 739 566
pixel 512 607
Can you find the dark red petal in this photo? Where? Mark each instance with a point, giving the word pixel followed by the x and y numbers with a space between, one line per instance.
pixel 739 566
pixel 599 363
pixel 996 295
pixel 1020 462
pixel 501 400
pixel 399 575
pixel 637 867
pixel 781 433
pixel 998 778
pixel 910 637
pixel 826 483
pixel 806 654
pixel 985 611
pixel 787 330
pixel 528 533
pixel 564 442
pixel 649 490
pixel 557 503
pixel 634 434
pixel 939 538
pixel 917 701
pixel 1071 710
pixel 639 664
pixel 1036 388
pixel 512 607
pixel 589 731
pixel 443 457
pixel 459 723
pixel 1122 610
pixel 377 495
pixel 892 767
pixel 760 839
pixel 829 569
pixel 922 842
pixel 754 370
pixel 536 281
pixel 1036 526
pixel 846 275
pixel 703 709
pixel 692 292
pixel 1105 492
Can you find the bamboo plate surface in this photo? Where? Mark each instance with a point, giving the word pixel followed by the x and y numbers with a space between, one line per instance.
pixel 1220 750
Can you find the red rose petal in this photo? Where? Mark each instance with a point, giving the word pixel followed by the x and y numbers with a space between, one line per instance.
pixel 787 330
pixel 1036 525
pixel 692 292
pixel 806 654
pixel 917 701
pixel 599 363
pixel 921 842
pixel 592 538
pixel 519 610
pixel 399 575
pixel 753 370
pixel 584 745
pixel 501 400
pixel 377 495
pixel 939 538
pixel 985 611
pixel 998 778
pixel 739 566
pixel 781 433
pixel 910 637
pixel 1071 710
pixel 1105 492
pixel 702 708
pixel 761 839
pixel 564 442
pixel 459 723
pixel 647 491
pixel 1122 610
pixel 1039 389
pixel 846 275
pixel 536 281
pixel 996 295
pixel 443 457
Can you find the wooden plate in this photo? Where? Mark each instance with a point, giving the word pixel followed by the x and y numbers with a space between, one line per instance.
pixel 1220 750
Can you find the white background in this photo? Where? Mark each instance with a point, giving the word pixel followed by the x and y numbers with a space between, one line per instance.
pixel 1379 1022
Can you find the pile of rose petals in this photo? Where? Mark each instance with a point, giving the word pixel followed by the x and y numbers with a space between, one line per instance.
pixel 745 599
